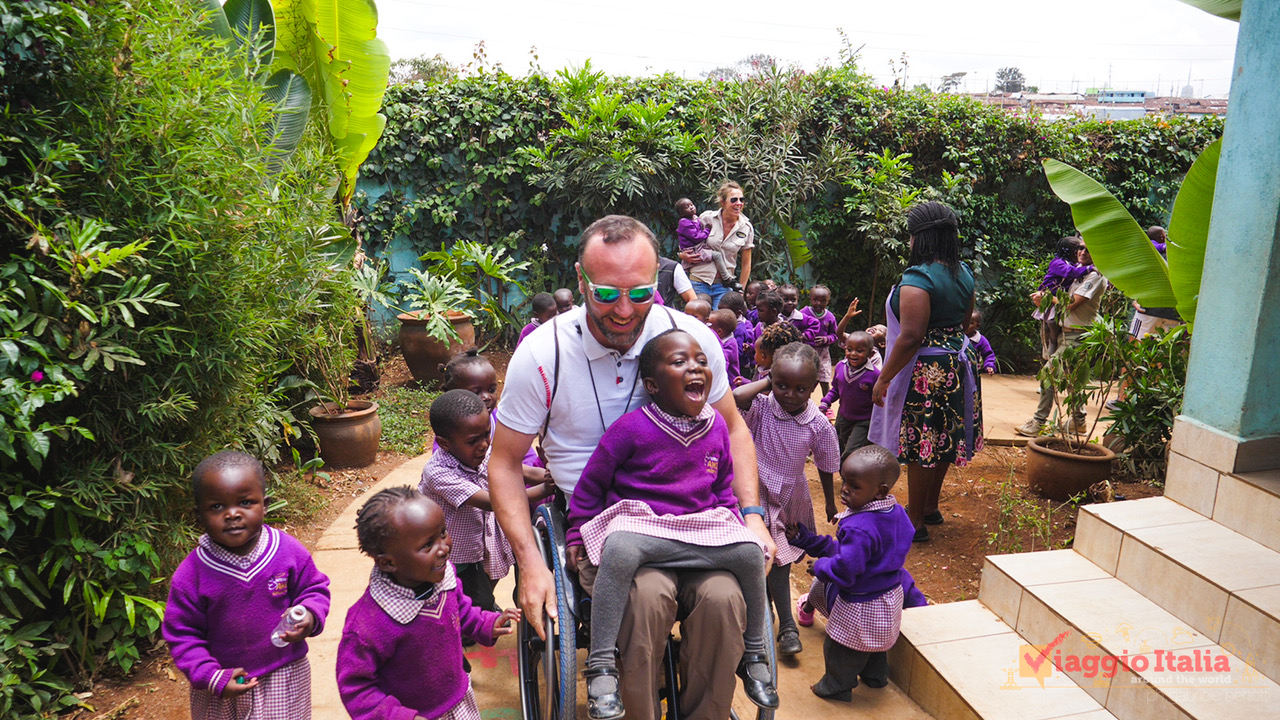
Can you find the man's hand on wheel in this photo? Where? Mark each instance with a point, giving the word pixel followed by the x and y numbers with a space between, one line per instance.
pixel 537 594
pixel 757 526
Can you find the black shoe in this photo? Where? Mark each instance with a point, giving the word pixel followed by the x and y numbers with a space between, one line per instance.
pixel 763 694
pixel 824 689
pixel 605 706
pixel 789 642
pixel 933 518
pixel 922 535
pixel 874 682
pixel 732 285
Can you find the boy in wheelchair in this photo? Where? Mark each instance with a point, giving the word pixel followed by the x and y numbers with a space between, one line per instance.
pixel 657 492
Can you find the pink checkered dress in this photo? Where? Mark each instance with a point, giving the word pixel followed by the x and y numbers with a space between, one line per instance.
pixel 476 535
pixel 282 694
pixel 466 709
pixel 709 528
pixel 870 626
pixel 783 443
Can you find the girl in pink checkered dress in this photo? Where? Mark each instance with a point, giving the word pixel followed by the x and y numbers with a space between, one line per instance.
pixel 787 427
pixel 658 492
pixel 860 579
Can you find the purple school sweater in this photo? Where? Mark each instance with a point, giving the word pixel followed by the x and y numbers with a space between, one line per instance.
pixel 988 355
pixel 220 617
pixel 389 670
pixel 674 473
pixel 854 396
pixel 745 334
pixel 804 323
pixel 821 327
pixel 533 325
pixel 753 316
pixel 865 558
pixel 1062 273
pixel 729 345
pixel 691 233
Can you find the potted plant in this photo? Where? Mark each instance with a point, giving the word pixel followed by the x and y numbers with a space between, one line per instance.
pixel 487 274
pixel 436 326
pixel 348 432
pixel 1063 463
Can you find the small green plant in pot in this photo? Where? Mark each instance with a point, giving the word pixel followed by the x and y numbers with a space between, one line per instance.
pixel 436 325
pixel 486 274
pixel 1064 463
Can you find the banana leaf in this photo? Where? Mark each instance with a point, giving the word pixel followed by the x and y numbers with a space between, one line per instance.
pixel 797 248
pixel 214 19
pixel 1229 9
pixel 1120 248
pixel 290 95
pixel 1189 231
pixel 253 22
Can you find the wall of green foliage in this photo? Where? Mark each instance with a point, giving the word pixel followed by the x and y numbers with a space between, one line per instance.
pixel 455 163
pixel 161 296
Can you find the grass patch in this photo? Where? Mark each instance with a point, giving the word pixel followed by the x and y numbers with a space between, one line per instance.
pixel 406 425
pixel 294 497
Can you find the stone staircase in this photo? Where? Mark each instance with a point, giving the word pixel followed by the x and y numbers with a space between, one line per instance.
pixel 1190 580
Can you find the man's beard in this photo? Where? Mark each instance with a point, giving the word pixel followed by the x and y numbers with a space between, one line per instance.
pixel 613 338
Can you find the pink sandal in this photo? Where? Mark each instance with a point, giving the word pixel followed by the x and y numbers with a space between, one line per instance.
pixel 802 617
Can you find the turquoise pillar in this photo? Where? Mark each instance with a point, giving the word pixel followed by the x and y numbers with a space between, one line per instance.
pixel 1232 383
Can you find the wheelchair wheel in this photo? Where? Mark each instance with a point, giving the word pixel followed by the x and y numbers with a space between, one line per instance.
pixel 548 669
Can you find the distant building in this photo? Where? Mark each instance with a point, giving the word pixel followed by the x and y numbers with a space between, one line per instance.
pixel 1124 96
pixel 1103 104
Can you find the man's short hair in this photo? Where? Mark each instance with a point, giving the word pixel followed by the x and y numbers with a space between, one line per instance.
pixel 614 229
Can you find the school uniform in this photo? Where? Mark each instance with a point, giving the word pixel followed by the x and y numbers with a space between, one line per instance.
pixel 821 327
pixel 853 389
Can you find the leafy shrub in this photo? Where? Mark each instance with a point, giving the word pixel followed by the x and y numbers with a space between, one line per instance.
pixel 158 289
pixel 1155 380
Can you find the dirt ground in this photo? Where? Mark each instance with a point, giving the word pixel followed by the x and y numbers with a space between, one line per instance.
pixel 986 507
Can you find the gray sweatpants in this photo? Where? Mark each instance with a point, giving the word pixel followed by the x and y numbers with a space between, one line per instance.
pixel 625 552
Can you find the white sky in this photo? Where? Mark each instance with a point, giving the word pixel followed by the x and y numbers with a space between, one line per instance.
pixel 1061 46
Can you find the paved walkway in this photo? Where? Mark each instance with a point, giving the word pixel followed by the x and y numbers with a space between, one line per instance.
pixel 1007 401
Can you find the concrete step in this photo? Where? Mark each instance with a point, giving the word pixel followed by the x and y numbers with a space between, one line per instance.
pixel 1222 584
pixel 1116 644
pixel 959 661
pixel 1247 502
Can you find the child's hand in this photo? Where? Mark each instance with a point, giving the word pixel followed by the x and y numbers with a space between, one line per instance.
pixel 853 310
pixel 301 631
pixel 831 512
pixel 236 689
pixel 1036 297
pixel 506 622
pixel 792 531
pixel 991 371
pixel 573 555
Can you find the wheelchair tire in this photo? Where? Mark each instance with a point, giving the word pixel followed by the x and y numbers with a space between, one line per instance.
pixel 548 670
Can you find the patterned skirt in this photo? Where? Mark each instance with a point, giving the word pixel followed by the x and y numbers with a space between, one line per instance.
pixel 709 528
pixel 932 432
pixel 870 626
pixel 282 694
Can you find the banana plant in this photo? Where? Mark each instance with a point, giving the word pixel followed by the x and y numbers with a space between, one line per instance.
pixel 1120 248
pixel 1229 9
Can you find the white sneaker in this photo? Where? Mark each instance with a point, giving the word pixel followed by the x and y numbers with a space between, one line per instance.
pixel 1030 428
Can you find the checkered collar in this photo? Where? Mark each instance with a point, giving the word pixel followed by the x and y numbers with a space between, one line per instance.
pixel 244 562
pixel 806 416
pixel 402 603
pixel 884 505
pixel 683 423
pixel 480 475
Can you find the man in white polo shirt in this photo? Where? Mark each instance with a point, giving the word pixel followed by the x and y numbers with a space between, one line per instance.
pixel 597 382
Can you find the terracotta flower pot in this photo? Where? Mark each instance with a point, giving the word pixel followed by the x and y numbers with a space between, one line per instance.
pixel 1058 474
pixel 348 438
pixel 423 353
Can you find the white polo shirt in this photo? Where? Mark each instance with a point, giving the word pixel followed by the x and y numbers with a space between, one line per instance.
pixel 597 385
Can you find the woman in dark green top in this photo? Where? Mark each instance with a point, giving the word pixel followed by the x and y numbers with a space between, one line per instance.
pixel 931 415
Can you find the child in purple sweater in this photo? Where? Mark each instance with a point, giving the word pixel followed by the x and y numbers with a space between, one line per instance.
pixel 228 596
pixel 1064 269
pixel 544 308
pixel 724 322
pixel 692 236
pixel 859 574
pixel 976 338
pixel 744 332
pixel 821 332
pixel 854 379
pixel 400 657
pixel 658 492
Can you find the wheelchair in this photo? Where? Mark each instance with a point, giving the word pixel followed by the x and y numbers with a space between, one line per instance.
pixel 549 669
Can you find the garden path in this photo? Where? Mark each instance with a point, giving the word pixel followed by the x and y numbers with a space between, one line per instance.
pixel 1008 401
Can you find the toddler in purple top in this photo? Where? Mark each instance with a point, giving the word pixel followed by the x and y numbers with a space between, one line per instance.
pixel 228 597
pixel 859 575
pixel 980 342
pixel 692 236
pixel 821 332
pixel 724 323
pixel 400 657
pixel 658 492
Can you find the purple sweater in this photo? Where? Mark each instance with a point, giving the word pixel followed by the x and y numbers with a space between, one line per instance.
pixel 979 341
pixel 753 316
pixel 854 396
pixel 220 616
pixel 393 671
pixel 533 325
pixel 804 323
pixel 640 458
pixel 745 334
pixel 732 363
pixel 1062 273
pixel 865 558
pixel 691 233
pixel 820 327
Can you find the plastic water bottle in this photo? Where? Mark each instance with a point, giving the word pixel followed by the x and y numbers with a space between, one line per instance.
pixel 291 620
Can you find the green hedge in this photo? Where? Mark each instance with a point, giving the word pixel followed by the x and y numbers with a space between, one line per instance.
pixel 467 158
pixel 161 297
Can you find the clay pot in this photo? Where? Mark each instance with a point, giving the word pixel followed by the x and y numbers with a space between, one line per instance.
pixel 348 438
pixel 1058 474
pixel 424 354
